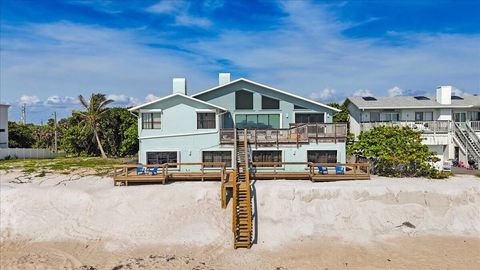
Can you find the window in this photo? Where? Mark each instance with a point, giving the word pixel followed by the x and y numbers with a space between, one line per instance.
pixel 162 157
pixel 369 98
pixel 257 120
pixel 2 130
pixel 305 118
pixel 267 156
pixel 459 117
pixel 428 116
pixel 474 116
pixel 270 103
pixel 243 100
pixel 151 120
pixel 374 116
pixel 217 156
pixel 322 156
pixel 206 121
pixel 390 117
pixel 298 107
pixel 418 116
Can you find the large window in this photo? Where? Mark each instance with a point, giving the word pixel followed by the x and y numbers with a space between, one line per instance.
pixel 151 120
pixel 162 157
pixel 270 103
pixel 322 156
pixel 305 118
pixel 390 116
pixel 423 116
pixel 266 156
pixel 257 121
pixel 374 116
pixel 243 100
pixel 206 120
pixel 218 156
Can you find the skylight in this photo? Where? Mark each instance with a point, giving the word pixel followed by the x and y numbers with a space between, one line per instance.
pixel 457 97
pixel 369 98
pixel 421 98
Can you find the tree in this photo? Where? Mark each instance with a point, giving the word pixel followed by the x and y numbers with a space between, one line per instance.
pixel 95 110
pixel 21 136
pixel 396 152
pixel 342 116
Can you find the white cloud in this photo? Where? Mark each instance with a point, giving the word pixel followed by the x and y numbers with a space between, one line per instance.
pixel 123 100
pixel 166 6
pixel 61 101
pixel 325 94
pixel 151 97
pixel 180 11
pixel 395 91
pixel 362 93
pixel 29 100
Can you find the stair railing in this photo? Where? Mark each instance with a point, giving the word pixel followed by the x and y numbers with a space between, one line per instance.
pixel 473 136
pixel 466 143
pixel 247 184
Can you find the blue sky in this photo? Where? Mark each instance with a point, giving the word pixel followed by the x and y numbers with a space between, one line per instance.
pixel 51 51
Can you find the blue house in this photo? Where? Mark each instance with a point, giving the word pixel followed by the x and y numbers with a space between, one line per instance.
pixel 281 126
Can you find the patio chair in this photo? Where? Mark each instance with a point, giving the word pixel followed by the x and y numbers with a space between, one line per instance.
pixel 153 171
pixel 322 170
pixel 140 170
pixel 339 170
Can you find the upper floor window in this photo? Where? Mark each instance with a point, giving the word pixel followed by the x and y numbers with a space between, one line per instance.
pixel 423 116
pixel 206 120
pixel 305 118
pixel 151 120
pixel 374 116
pixel 243 100
pixel 390 116
pixel 270 103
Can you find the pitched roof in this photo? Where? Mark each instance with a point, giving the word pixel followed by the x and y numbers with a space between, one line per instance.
pixel 405 102
pixel 269 88
pixel 175 95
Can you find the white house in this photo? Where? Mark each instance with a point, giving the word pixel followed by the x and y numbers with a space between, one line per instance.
pixel 4 125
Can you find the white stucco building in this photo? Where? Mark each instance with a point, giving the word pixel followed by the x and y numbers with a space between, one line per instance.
pixel 4 125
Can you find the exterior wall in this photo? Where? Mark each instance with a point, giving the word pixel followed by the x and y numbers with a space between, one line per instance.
pixel 225 97
pixel 354 119
pixel 4 126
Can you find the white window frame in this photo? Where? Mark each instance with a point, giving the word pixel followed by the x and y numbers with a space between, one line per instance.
pixel 218 150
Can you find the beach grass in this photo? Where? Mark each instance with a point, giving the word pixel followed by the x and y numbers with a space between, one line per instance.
pixel 63 165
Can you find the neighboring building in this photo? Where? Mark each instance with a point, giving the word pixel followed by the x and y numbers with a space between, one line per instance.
pixel 282 127
pixel 4 125
pixel 450 124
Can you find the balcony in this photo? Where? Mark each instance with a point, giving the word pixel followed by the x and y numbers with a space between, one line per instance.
pixel 428 127
pixel 295 135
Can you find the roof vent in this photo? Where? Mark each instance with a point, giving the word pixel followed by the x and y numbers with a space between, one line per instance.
pixel 457 97
pixel 369 98
pixel 421 98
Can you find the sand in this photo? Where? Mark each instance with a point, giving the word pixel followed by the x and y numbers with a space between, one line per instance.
pixel 74 222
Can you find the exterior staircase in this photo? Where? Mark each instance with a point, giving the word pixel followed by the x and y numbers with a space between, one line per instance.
pixel 468 139
pixel 242 206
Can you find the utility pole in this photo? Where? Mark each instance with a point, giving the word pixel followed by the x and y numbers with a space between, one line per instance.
pixel 55 129
pixel 23 118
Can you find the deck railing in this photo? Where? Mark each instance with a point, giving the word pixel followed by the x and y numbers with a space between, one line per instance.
pixel 424 126
pixel 297 134
pixel 475 125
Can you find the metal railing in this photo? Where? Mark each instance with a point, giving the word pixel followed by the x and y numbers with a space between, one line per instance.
pixel 439 126
pixel 475 125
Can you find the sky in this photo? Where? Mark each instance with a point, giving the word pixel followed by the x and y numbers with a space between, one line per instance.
pixel 52 50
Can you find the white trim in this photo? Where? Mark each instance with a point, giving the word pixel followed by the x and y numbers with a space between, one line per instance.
pixel 173 95
pixel 162 151
pixel 294 113
pixel 178 135
pixel 205 111
pixel 270 88
pixel 416 107
pixel 150 110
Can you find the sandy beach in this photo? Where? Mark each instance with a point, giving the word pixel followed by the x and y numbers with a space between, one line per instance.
pixel 74 222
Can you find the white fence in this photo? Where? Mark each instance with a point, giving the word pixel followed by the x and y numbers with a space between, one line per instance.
pixel 28 153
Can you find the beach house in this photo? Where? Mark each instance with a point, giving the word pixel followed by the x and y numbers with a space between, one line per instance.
pixel 281 126
pixel 450 123
pixel 4 125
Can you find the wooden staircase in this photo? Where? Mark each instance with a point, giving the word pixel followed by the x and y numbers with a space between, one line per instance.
pixel 242 207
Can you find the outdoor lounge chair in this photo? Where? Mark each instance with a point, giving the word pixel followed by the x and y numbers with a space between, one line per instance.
pixel 339 170
pixel 153 171
pixel 322 170
pixel 140 170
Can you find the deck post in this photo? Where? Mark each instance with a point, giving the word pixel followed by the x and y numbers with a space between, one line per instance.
pixel 316 130
pixel 335 131
pixel 277 138
pixel 296 133
pixel 203 173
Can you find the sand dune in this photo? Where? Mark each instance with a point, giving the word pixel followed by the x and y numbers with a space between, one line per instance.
pixel 61 221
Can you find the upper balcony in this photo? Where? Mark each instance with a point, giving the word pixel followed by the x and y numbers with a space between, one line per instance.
pixel 295 135
pixel 427 127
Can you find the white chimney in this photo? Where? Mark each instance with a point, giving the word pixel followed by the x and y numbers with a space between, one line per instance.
pixel 180 86
pixel 444 94
pixel 223 78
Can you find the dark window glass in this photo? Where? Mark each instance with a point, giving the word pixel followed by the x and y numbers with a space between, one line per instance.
pixel 2 130
pixel 243 100
pixel 418 116
pixel 151 120
pixel 298 107
pixel 162 157
pixel 270 103
pixel 322 156
pixel 267 156
pixel 304 118
pixel 206 121
pixel 260 121
pixel 217 156
pixel 374 116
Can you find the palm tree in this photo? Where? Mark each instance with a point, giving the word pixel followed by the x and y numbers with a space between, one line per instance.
pixel 94 111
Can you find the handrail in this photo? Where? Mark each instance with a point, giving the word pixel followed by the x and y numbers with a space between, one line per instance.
pixel 247 183
pixel 219 164
pixel 473 135
pixel 468 145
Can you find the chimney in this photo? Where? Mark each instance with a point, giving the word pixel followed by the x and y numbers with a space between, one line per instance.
pixel 180 86
pixel 223 78
pixel 444 94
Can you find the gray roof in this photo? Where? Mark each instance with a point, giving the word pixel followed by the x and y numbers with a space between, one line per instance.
pixel 402 102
